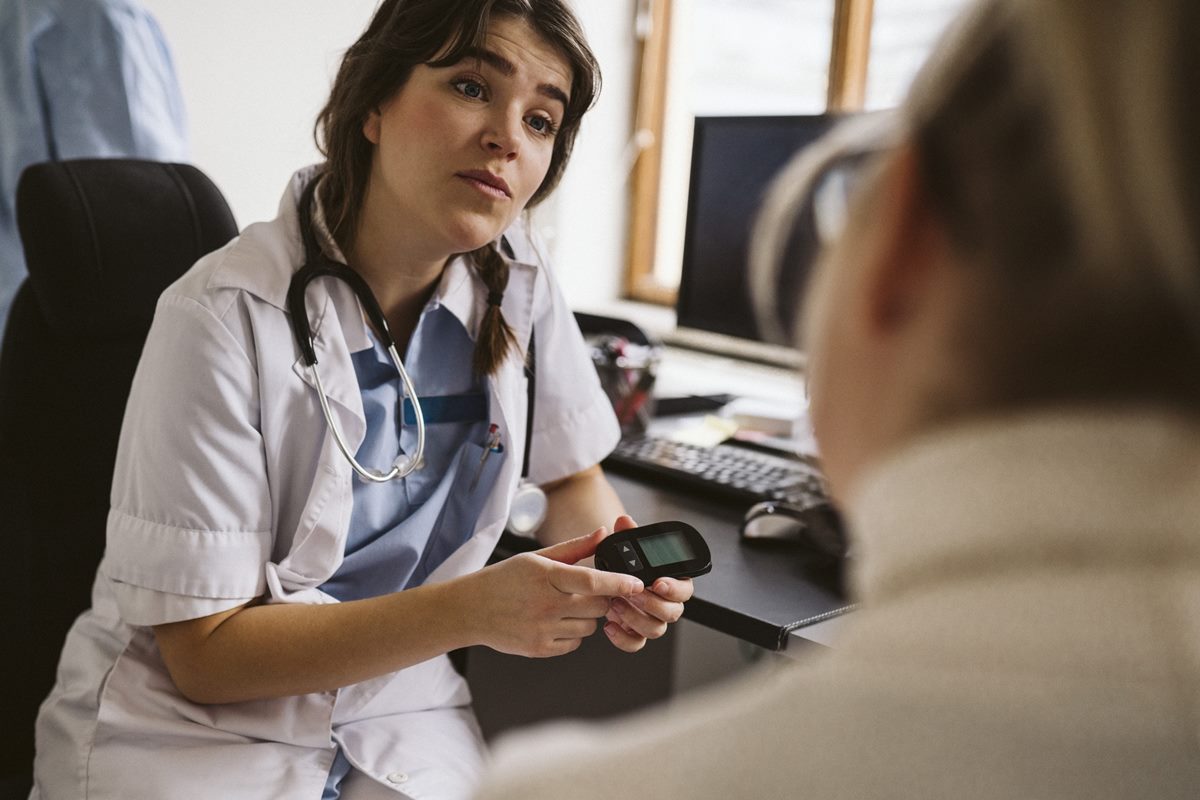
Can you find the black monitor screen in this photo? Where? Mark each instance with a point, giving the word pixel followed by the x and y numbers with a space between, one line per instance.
pixel 733 161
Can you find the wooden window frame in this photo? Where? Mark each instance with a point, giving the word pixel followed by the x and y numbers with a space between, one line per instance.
pixel 849 57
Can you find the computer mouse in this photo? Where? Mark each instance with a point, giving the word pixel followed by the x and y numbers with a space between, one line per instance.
pixel 818 527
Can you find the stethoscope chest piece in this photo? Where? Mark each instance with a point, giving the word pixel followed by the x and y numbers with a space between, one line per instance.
pixel 528 510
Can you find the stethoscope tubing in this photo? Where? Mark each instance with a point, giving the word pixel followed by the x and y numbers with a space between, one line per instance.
pixel 403 465
pixel 318 265
pixel 529 496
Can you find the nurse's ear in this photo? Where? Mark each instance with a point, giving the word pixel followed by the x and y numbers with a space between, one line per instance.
pixel 372 125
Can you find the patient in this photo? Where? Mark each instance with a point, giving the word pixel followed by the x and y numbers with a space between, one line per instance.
pixel 1005 383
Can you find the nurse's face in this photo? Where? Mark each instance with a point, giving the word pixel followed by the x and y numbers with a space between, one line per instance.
pixel 461 149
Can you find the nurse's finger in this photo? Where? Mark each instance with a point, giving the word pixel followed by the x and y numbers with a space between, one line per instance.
pixel 594 582
pixel 677 589
pixel 652 604
pixel 575 628
pixel 623 640
pixel 585 606
pixel 573 550
pixel 637 621
pixel 624 523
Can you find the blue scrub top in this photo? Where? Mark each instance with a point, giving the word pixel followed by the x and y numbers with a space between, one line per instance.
pixel 402 530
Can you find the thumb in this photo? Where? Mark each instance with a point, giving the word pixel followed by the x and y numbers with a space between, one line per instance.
pixel 574 550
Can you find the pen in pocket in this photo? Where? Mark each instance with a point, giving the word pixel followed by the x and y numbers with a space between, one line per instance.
pixel 492 445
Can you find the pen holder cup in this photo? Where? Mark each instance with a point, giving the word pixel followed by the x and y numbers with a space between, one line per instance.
pixel 627 373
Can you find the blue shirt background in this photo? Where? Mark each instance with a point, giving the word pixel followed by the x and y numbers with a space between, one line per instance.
pixel 79 79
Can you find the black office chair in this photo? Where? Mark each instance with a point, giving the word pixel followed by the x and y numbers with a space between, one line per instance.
pixel 102 239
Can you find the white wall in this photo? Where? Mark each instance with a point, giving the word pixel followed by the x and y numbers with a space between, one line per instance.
pixel 586 221
pixel 255 73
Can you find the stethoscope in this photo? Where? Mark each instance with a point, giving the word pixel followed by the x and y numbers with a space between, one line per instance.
pixel 529 504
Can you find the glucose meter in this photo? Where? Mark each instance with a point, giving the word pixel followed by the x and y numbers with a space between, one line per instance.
pixel 661 550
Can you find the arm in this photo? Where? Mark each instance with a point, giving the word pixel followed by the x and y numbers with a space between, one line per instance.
pixel 578 503
pixel 536 604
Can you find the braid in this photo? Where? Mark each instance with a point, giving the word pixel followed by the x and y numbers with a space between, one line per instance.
pixel 495 336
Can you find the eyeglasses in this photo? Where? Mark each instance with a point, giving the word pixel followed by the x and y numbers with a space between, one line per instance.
pixel 834 191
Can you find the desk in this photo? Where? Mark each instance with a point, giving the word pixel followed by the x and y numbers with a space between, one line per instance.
pixel 771 597
pixel 768 595
pixel 775 597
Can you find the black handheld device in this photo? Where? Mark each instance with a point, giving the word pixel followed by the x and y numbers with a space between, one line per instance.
pixel 661 550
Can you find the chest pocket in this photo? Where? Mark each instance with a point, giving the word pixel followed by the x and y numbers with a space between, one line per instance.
pixel 473 478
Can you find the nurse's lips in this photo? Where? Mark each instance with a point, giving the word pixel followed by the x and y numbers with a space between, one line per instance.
pixel 486 182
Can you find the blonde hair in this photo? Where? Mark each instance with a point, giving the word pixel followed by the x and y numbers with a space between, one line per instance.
pixel 1059 144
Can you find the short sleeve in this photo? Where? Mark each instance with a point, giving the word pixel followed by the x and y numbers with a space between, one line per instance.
pixel 189 530
pixel 574 426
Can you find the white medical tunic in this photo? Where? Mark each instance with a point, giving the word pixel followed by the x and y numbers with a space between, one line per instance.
pixel 228 487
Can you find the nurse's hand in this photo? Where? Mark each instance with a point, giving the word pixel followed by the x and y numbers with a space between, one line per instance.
pixel 634 620
pixel 543 604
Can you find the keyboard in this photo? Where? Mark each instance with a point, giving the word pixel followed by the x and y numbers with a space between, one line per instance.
pixel 727 472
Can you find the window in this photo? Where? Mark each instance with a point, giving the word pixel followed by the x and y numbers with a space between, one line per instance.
pixel 753 57
pixel 901 36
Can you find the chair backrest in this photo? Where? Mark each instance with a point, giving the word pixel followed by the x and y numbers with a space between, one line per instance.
pixel 102 239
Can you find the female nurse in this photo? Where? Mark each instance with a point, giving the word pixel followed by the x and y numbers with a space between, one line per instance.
pixel 265 622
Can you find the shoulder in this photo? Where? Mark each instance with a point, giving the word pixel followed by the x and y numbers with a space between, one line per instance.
pixel 233 289
pixel 258 262
pixel 195 289
pixel 708 746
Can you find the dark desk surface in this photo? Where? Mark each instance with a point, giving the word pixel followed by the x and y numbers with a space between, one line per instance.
pixel 762 593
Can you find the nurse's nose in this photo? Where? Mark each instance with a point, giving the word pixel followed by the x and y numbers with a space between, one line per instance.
pixel 502 137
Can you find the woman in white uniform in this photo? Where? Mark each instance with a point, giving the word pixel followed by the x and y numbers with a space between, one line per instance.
pixel 266 623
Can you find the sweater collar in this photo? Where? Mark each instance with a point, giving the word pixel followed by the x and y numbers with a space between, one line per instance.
pixel 1072 486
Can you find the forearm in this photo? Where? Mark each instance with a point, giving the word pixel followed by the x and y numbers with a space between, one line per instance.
pixel 578 505
pixel 267 651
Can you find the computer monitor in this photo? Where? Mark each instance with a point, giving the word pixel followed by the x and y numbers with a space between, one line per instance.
pixel 733 162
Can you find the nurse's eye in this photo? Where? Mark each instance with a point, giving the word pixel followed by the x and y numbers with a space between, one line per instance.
pixel 542 125
pixel 470 88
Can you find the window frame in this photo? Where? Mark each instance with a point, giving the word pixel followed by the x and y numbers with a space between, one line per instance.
pixel 848 61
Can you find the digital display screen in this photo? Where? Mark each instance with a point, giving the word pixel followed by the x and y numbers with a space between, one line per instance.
pixel 666 548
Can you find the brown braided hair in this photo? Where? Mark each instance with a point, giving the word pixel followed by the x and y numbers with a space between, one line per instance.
pixel 495 335
pixel 402 35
